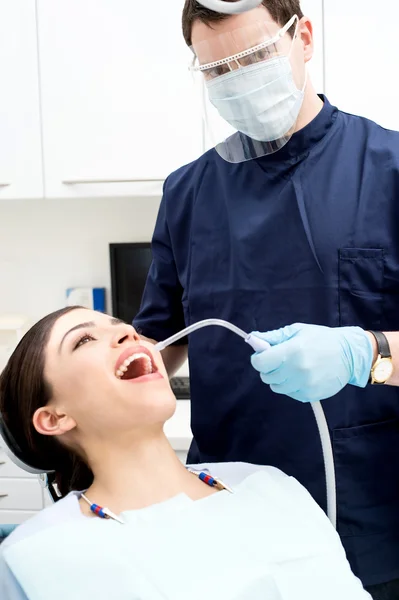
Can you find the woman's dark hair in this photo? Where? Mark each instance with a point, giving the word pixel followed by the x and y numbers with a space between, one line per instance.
pixel 23 389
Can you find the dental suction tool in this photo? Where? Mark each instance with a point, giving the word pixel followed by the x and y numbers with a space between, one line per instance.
pixel 260 345
pixel 257 344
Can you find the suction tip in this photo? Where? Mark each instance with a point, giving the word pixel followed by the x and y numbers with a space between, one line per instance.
pixel 257 343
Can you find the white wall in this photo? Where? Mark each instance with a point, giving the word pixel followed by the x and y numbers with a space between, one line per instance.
pixel 47 246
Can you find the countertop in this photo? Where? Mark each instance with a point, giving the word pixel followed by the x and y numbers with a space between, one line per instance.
pixel 177 429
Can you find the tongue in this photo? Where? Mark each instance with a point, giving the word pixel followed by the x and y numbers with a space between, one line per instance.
pixel 137 368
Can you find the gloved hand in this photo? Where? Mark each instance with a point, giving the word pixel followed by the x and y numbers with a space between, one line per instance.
pixel 310 362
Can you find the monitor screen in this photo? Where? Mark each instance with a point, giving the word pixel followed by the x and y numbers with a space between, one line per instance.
pixel 129 263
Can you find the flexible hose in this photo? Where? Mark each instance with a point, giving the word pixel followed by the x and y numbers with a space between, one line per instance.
pixel 260 345
pixel 199 325
pixel 328 459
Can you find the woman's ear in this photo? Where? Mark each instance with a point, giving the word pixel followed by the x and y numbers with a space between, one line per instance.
pixel 47 420
pixel 305 32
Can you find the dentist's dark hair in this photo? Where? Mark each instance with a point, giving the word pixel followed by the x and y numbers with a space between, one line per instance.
pixel 24 389
pixel 280 11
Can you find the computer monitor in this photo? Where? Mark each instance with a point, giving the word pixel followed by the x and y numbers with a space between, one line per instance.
pixel 130 263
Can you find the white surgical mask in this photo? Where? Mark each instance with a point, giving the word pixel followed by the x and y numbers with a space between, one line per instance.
pixel 261 100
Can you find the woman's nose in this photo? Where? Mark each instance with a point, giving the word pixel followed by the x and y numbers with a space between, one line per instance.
pixel 125 333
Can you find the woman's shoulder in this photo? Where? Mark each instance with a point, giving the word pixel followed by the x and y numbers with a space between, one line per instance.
pixel 276 483
pixel 234 473
pixel 61 511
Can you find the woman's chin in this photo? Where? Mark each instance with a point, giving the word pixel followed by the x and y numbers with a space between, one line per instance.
pixel 150 390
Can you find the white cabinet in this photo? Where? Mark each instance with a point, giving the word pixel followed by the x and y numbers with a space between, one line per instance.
pixel 20 147
pixel 361 53
pixel 21 495
pixel 178 429
pixel 117 96
pixel 10 470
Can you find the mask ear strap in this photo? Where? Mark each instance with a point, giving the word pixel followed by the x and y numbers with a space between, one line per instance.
pixel 306 79
pixel 294 37
pixel 289 54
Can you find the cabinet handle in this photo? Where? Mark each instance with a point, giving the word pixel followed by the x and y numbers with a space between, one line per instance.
pixel 93 181
pixel 3 495
pixel 2 462
pixel 4 184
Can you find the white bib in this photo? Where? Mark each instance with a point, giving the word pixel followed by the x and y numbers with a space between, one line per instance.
pixel 259 543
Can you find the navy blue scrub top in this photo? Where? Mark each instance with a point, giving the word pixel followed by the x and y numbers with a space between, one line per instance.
pixel 309 234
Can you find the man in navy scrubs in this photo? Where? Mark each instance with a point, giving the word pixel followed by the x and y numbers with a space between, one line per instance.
pixel 292 219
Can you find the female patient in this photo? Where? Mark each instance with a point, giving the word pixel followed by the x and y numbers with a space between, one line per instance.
pixel 82 395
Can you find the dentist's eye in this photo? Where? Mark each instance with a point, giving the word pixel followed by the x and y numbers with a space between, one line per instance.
pixel 216 72
pixel 86 337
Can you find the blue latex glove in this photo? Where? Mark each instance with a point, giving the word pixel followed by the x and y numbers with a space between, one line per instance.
pixel 310 362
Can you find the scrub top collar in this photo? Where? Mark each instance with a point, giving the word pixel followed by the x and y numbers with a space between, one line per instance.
pixel 304 140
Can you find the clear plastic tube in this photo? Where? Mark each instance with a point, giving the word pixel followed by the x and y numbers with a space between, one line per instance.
pixel 206 323
pixel 260 345
pixel 328 458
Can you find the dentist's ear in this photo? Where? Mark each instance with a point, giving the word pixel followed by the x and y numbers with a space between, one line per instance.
pixel 305 33
pixel 48 420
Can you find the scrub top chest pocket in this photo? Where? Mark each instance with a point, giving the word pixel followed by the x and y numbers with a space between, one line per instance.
pixel 360 287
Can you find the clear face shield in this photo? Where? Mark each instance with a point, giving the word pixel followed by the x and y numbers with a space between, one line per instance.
pixel 252 86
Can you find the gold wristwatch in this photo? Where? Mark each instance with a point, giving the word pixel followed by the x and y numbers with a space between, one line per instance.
pixel 382 369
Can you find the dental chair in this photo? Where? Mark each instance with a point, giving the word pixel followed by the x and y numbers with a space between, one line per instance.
pixel 14 452
pixel 5 531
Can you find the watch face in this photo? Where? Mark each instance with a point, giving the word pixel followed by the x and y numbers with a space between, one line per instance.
pixel 383 370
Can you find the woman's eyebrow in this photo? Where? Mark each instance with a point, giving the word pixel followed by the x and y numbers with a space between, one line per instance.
pixel 113 321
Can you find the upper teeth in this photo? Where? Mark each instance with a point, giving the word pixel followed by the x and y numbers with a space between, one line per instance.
pixel 124 366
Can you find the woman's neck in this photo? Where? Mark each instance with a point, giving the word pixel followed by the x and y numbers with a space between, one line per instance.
pixel 135 475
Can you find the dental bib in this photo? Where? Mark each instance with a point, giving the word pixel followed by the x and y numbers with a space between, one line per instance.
pixel 267 541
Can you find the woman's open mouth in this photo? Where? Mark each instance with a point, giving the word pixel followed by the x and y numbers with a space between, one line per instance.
pixel 136 364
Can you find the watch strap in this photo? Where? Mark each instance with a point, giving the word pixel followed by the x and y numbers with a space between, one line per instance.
pixel 382 344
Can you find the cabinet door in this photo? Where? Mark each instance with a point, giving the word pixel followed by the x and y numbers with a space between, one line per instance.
pixel 20 494
pixel 9 469
pixel 362 58
pixel 117 96
pixel 20 148
pixel 312 9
